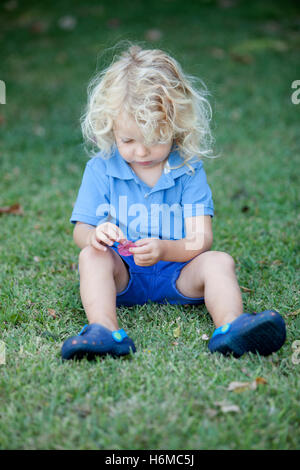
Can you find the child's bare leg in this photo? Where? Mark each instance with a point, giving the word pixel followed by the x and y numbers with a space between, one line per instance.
pixel 223 296
pixel 102 275
pixel 212 275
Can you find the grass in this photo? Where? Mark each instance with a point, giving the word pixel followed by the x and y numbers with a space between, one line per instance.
pixel 168 395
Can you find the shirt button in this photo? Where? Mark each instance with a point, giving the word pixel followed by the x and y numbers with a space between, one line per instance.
pixel 146 194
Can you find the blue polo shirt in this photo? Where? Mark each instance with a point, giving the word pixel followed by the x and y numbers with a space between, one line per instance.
pixel 111 191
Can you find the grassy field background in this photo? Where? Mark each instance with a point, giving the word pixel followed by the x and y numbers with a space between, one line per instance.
pixel 173 393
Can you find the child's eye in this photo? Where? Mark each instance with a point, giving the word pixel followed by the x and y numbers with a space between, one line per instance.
pixel 127 141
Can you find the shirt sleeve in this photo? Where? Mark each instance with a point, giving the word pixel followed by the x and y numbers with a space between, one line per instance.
pixel 196 195
pixel 92 195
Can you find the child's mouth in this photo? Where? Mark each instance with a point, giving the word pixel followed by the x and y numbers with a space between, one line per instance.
pixel 145 163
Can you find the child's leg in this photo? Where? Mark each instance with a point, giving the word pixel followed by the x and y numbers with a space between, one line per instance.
pixel 102 275
pixel 212 275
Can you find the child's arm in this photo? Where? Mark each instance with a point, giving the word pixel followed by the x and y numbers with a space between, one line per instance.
pixel 98 237
pixel 82 234
pixel 199 238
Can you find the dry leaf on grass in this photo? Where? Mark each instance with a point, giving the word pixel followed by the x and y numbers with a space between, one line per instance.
pixel 15 209
pixel 153 34
pixel 176 332
pixel 242 58
pixel 294 313
pixel 242 386
pixel 246 289
pixel 113 23
pixel 67 22
pixel 205 337
pixel 228 407
pixel 52 312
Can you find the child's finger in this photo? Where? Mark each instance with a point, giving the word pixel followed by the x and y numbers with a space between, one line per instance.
pixel 98 246
pixel 119 235
pixel 137 250
pixel 114 233
pixel 101 236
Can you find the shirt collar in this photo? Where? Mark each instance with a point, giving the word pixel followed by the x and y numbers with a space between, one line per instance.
pixel 117 167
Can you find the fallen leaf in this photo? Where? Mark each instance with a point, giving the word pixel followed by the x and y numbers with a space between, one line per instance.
pixel 205 337
pixel 294 313
pixel 52 312
pixel 67 22
pixel 260 381
pixel 277 262
pixel 228 407
pixel 241 386
pixel 39 27
pixel 176 332
pixel 263 261
pixel 153 34
pixel 246 289
pixel 243 58
pixel 113 23
pixel 15 209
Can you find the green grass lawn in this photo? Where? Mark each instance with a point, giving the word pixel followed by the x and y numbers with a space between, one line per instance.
pixel 170 395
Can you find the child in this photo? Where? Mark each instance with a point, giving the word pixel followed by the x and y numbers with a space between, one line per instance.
pixel 147 185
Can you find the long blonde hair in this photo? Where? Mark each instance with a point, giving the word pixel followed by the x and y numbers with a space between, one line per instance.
pixel 150 86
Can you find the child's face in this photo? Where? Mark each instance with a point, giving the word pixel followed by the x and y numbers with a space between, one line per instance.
pixel 130 143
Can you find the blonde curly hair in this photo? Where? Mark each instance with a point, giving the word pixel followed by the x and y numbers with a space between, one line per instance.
pixel 151 87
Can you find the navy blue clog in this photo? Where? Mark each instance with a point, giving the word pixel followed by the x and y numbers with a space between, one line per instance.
pixel 262 333
pixel 97 340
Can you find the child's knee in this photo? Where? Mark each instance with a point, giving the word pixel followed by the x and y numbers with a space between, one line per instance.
pixel 219 259
pixel 89 255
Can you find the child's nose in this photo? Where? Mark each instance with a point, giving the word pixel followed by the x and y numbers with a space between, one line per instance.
pixel 141 150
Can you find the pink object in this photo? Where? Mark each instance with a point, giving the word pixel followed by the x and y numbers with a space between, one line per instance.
pixel 123 248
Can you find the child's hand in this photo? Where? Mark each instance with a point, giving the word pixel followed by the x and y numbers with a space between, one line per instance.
pixel 105 234
pixel 147 251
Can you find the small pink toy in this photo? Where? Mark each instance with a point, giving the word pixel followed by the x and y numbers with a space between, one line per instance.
pixel 124 246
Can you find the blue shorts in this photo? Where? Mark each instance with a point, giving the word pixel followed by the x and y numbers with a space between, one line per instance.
pixel 156 283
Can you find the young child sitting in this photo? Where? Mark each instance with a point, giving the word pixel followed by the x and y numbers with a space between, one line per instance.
pixel 147 185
